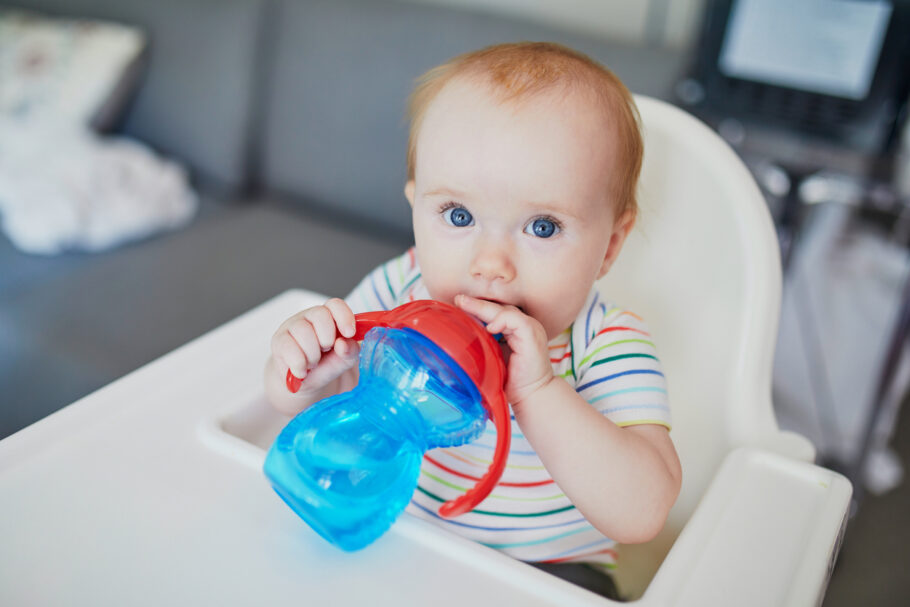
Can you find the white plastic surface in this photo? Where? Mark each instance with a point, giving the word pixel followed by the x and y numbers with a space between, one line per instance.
pixel 119 500
pixel 702 267
pixel 758 535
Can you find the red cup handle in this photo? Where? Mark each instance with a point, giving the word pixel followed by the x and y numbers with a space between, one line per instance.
pixel 292 382
pixel 499 412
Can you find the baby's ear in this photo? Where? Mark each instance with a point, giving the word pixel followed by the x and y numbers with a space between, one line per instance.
pixel 409 191
pixel 621 228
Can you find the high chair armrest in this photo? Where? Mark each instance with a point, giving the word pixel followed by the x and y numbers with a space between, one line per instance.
pixel 766 532
pixel 791 445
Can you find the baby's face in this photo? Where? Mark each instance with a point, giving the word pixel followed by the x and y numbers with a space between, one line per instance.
pixel 511 202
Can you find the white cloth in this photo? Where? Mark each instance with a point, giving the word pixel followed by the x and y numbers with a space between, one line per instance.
pixel 63 187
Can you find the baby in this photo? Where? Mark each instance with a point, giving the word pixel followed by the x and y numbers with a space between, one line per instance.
pixel 523 163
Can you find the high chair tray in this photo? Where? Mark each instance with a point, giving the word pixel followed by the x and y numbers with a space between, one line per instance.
pixel 119 499
pixel 150 491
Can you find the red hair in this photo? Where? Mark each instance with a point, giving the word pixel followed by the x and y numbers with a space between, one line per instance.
pixel 521 70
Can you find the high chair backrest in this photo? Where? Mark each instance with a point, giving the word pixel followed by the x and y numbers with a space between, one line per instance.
pixel 702 267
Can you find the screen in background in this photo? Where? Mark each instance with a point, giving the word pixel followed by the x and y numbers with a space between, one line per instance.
pixel 821 46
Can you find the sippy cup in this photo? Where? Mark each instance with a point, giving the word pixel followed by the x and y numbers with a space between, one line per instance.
pixel 430 376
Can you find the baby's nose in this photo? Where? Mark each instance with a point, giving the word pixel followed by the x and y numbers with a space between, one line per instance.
pixel 492 261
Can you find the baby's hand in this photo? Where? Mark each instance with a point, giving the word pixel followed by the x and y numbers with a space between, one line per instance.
pixel 528 361
pixel 316 345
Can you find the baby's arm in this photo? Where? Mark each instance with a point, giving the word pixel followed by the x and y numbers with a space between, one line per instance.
pixel 317 346
pixel 623 480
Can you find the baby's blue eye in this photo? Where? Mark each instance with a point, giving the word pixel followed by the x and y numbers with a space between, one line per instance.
pixel 542 228
pixel 459 217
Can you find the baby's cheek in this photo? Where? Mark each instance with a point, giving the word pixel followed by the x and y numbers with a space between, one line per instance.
pixel 564 297
pixel 555 322
pixel 435 273
pixel 441 291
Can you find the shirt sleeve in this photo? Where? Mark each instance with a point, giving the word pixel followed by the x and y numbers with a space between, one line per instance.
pixel 383 288
pixel 619 372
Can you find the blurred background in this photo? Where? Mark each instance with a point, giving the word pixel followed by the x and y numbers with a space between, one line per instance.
pixel 165 166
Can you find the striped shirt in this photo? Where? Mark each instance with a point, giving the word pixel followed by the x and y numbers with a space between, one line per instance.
pixel 608 357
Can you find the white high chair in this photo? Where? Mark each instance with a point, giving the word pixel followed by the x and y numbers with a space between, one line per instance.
pixel 150 491
pixel 756 523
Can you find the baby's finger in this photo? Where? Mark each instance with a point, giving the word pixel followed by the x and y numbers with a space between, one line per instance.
pixel 484 310
pixel 342 357
pixel 344 317
pixel 348 350
pixel 320 318
pixel 304 334
pixel 509 320
pixel 288 355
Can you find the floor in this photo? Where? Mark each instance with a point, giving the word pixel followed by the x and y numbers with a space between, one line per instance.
pixel 872 569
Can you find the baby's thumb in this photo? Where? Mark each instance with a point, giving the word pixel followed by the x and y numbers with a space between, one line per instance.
pixel 344 355
pixel 348 351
